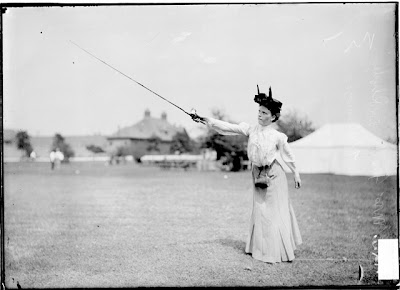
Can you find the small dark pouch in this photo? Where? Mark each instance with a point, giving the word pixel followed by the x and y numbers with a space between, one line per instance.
pixel 261 177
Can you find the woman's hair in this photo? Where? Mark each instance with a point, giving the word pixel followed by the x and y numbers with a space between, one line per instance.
pixel 275 111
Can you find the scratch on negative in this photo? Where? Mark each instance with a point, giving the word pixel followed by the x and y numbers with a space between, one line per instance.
pixel 367 36
pixel 332 37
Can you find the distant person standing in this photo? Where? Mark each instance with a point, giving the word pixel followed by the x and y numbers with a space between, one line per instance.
pixel 52 158
pixel 33 156
pixel 59 157
pixel 55 158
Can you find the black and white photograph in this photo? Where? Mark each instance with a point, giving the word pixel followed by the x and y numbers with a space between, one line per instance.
pixel 200 145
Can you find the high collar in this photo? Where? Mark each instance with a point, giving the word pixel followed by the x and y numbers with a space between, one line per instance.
pixel 266 127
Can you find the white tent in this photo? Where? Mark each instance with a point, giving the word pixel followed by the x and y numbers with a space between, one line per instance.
pixel 345 149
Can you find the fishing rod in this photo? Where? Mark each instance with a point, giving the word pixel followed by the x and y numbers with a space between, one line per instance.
pixel 192 114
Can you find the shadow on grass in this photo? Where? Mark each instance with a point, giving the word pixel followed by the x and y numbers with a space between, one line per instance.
pixel 237 245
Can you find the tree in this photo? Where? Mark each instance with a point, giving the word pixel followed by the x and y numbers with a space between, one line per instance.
pixel 231 148
pixel 65 148
pixel 295 126
pixel 154 143
pixel 181 142
pixel 24 142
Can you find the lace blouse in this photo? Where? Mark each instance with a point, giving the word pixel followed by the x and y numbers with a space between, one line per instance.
pixel 264 141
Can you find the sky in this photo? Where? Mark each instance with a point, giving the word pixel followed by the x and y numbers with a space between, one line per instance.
pixel 327 62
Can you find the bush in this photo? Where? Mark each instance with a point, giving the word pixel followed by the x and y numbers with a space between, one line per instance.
pixel 181 142
pixel 295 126
pixel 233 149
pixel 24 142
pixel 65 148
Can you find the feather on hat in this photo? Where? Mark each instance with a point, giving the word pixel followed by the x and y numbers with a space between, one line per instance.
pixel 267 101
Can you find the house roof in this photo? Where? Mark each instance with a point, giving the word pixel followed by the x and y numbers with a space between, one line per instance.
pixel 147 128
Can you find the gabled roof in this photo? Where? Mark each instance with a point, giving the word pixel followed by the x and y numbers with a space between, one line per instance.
pixel 342 135
pixel 148 128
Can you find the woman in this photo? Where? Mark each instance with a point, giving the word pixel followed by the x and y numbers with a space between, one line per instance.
pixel 274 233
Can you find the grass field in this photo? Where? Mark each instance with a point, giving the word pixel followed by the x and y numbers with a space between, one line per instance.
pixel 88 225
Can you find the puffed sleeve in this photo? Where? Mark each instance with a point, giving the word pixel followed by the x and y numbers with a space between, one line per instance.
pixel 286 152
pixel 226 128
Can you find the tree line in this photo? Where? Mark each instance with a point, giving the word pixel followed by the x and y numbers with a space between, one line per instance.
pixel 231 150
pixel 23 143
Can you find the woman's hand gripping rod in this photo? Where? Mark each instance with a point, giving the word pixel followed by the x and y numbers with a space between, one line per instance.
pixel 197 118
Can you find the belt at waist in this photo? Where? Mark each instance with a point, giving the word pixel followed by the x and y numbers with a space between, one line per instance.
pixel 260 168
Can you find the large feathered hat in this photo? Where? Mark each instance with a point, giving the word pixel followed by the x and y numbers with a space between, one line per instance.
pixel 267 101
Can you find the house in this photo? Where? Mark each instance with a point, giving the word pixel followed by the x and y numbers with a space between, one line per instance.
pixel 149 136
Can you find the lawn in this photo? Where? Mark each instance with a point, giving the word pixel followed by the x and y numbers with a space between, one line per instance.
pixel 90 225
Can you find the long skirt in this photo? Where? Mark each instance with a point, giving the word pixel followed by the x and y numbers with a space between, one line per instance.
pixel 274 232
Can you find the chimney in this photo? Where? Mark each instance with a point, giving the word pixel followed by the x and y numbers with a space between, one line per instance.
pixel 147 113
pixel 164 116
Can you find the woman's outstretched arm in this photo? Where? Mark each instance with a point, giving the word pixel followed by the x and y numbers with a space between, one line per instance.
pixel 225 128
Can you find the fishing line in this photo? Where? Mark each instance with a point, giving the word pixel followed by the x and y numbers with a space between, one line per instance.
pixel 193 114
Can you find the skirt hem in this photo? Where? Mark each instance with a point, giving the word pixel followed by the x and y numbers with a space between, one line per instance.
pixel 270 260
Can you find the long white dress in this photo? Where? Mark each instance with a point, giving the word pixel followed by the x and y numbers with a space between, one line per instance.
pixel 273 232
